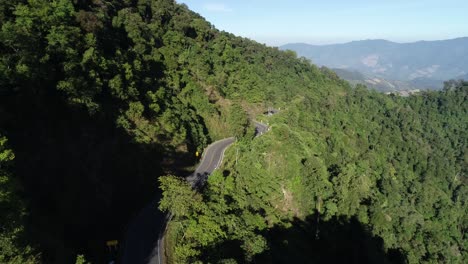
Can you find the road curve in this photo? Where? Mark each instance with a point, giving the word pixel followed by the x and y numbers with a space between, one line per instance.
pixel 260 128
pixel 211 160
pixel 144 237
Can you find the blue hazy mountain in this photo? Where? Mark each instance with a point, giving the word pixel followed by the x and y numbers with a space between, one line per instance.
pixel 422 64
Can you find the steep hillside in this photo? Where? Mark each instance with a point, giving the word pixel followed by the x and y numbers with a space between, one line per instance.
pixel 356 176
pixel 427 63
pixel 99 99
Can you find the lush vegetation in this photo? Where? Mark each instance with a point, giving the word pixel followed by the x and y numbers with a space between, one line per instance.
pixel 13 244
pixel 99 98
pixel 397 166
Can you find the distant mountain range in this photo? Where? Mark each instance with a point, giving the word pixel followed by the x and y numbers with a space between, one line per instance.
pixel 387 65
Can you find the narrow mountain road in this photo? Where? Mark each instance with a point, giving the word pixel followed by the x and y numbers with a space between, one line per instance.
pixel 142 234
pixel 144 237
pixel 211 160
pixel 260 128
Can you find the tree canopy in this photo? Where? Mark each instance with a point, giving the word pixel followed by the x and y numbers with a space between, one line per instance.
pixel 98 98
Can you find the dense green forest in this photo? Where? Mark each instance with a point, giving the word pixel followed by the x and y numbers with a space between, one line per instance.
pixel 98 99
pixel 393 168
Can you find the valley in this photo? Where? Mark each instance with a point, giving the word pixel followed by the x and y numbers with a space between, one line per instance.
pixel 388 66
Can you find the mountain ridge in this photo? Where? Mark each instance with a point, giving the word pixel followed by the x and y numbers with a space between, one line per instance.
pixel 427 62
pixel 375 40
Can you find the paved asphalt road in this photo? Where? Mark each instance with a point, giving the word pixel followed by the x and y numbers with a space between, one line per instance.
pixel 260 128
pixel 142 234
pixel 143 240
pixel 212 158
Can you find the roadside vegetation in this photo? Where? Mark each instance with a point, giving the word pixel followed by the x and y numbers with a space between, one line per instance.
pixel 392 167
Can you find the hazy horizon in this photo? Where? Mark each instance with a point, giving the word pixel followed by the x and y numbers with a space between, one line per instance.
pixel 375 39
pixel 336 21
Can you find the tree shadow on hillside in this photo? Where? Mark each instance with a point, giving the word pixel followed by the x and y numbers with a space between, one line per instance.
pixel 338 240
pixel 83 178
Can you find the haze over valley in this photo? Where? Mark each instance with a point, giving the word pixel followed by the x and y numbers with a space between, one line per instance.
pixel 390 66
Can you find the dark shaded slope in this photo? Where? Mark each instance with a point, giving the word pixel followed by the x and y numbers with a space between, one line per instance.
pixel 80 188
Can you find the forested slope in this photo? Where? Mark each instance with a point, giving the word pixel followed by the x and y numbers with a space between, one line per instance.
pixel 99 98
pixel 358 177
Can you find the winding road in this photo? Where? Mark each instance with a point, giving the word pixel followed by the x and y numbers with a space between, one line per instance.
pixel 212 158
pixel 144 237
pixel 260 128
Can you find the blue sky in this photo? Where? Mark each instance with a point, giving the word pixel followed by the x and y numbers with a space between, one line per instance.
pixel 277 22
